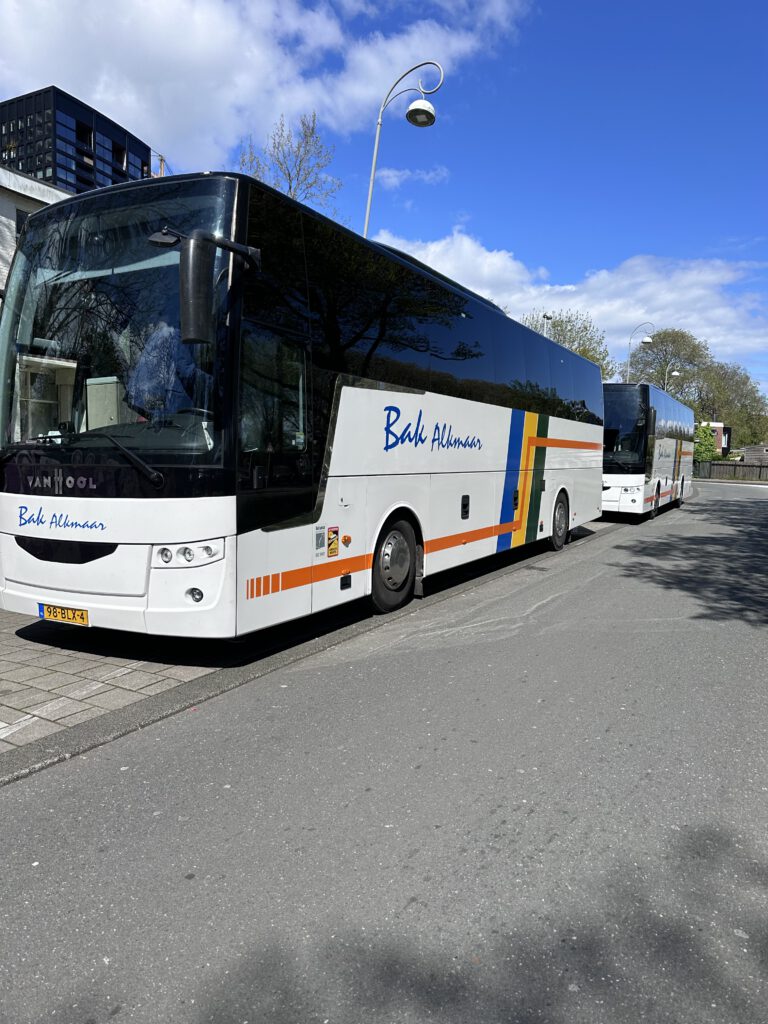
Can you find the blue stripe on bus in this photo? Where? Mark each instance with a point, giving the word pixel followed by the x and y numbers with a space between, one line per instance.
pixel 511 477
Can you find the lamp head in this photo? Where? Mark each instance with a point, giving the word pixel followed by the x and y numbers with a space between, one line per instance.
pixel 421 113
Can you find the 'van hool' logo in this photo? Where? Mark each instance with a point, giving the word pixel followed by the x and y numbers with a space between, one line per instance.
pixel 56 482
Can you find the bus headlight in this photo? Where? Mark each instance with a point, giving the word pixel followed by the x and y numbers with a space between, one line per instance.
pixel 631 490
pixel 186 555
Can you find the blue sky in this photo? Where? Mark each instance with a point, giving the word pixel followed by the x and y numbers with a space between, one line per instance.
pixel 601 155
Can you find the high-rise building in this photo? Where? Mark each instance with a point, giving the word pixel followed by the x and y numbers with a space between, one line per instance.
pixel 52 136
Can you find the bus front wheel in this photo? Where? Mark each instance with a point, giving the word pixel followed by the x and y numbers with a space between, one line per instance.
pixel 394 567
pixel 559 523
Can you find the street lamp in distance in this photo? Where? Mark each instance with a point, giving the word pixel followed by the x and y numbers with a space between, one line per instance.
pixel 647 340
pixel 667 375
pixel 421 114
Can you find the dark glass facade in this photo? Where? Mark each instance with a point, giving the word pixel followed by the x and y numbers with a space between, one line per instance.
pixel 52 136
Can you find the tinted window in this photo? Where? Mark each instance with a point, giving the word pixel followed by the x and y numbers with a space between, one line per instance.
pixel 537 394
pixel 561 376
pixel 272 393
pixel 277 294
pixel 510 362
pixel 369 314
pixel 587 392
pixel 463 340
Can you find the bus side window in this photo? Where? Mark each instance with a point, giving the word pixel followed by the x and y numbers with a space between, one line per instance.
pixel 272 393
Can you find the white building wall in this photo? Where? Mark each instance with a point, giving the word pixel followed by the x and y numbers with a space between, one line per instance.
pixel 19 192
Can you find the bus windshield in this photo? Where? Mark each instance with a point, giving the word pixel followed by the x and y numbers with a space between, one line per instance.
pixel 625 430
pixel 90 347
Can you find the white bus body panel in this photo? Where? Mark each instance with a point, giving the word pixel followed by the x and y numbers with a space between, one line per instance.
pixel 404 453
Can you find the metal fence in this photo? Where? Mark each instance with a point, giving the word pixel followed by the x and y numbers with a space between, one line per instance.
pixel 730 470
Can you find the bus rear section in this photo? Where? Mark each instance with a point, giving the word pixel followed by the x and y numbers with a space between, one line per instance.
pixel 648 449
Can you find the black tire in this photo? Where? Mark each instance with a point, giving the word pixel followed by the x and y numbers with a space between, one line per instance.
pixel 680 498
pixel 394 567
pixel 655 507
pixel 559 523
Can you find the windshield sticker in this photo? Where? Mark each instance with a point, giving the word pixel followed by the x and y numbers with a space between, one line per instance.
pixel 57 521
pixel 442 437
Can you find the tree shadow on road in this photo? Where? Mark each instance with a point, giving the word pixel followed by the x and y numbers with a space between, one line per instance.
pixel 723 566
pixel 699 955
pixel 686 941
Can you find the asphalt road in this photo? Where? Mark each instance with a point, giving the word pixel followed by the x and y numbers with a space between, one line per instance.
pixel 539 796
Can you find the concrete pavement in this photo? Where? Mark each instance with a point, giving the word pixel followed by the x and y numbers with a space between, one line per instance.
pixel 54 677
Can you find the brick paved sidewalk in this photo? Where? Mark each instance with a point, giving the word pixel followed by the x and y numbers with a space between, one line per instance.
pixel 53 677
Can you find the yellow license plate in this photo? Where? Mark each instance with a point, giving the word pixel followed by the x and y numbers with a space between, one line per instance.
pixel 55 613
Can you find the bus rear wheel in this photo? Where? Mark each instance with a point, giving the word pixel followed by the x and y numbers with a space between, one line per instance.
pixel 680 493
pixel 656 502
pixel 394 567
pixel 559 523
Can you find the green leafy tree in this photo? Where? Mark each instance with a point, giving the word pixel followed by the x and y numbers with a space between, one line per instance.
pixel 295 164
pixel 727 394
pixel 705 448
pixel 672 350
pixel 718 392
pixel 575 330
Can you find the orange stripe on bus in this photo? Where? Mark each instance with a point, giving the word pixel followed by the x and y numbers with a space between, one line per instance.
pixel 303 577
pixel 555 442
pixel 662 494
pixel 324 571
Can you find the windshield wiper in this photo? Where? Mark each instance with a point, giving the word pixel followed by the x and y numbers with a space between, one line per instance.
pixel 154 476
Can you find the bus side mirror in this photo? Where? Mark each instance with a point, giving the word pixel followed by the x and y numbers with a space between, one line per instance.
pixel 196 265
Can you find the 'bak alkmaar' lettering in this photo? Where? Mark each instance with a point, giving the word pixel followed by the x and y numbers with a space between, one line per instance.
pixel 58 520
pixel 443 437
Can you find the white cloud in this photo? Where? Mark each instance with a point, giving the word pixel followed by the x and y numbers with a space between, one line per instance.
pixel 390 178
pixel 719 301
pixel 191 77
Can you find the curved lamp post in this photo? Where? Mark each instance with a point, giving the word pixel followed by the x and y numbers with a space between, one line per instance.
pixel 647 340
pixel 421 114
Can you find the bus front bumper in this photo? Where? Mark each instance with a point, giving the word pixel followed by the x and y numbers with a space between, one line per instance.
pixel 623 499
pixel 194 601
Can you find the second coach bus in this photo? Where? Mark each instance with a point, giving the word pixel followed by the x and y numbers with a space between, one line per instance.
pixel 648 453
pixel 220 410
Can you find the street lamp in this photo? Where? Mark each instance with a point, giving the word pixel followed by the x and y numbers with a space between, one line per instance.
pixel 667 375
pixel 647 340
pixel 420 113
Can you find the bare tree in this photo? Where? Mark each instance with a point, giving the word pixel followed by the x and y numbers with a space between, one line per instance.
pixel 296 164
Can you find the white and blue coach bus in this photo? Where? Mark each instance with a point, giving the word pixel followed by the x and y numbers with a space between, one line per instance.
pixel 221 411
pixel 648 453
